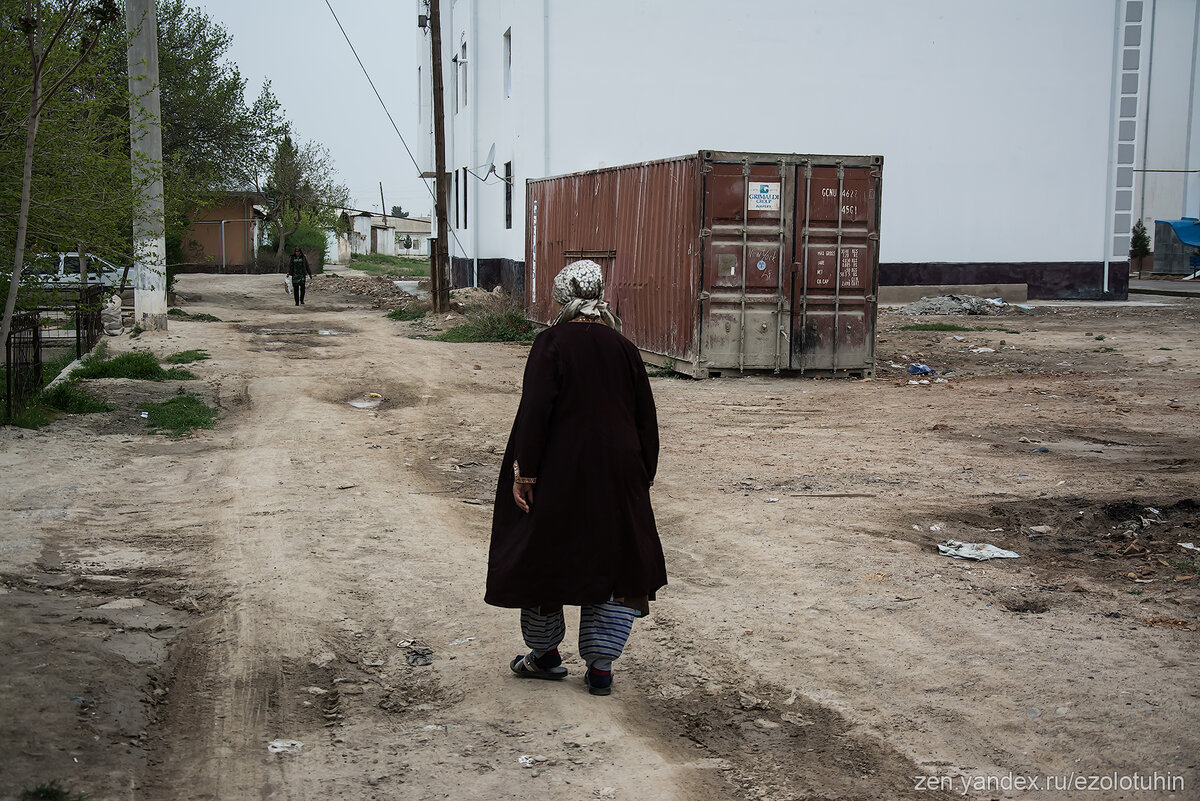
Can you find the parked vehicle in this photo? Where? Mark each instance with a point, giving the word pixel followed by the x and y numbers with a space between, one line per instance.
pixel 62 269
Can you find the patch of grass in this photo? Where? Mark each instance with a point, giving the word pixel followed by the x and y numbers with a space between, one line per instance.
pixel 71 399
pixel 377 264
pixel 934 327
pixel 404 315
pixel 654 371
pixel 199 317
pixel 51 791
pixel 31 417
pixel 490 326
pixel 1099 337
pixel 138 365
pixel 180 415
pixel 1104 350
pixel 1187 567
pixel 51 368
pixel 187 357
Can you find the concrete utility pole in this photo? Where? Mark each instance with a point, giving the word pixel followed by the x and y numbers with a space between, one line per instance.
pixel 145 137
pixel 440 274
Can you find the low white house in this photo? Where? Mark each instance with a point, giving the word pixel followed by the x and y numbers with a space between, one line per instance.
pixel 379 233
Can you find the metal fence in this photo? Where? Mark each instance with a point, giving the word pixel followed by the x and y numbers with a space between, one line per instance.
pixel 23 355
pixel 77 318
pixel 88 324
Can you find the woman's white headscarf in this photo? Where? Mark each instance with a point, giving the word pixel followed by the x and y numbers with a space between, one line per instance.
pixel 580 290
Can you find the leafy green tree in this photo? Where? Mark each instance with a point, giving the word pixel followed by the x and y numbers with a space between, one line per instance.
pixel 399 212
pixel 64 160
pixel 1139 243
pixel 300 185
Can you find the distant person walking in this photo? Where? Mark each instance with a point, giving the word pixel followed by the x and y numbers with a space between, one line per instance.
pixel 572 522
pixel 300 273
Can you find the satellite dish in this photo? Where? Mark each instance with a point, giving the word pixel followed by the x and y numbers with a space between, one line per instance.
pixel 490 163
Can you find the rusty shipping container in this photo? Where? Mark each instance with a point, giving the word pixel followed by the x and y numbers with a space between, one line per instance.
pixel 722 261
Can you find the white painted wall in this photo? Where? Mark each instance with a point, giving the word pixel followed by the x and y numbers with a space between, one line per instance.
pixel 1173 113
pixel 995 118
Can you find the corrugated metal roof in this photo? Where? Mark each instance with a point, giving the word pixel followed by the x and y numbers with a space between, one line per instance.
pixel 1187 229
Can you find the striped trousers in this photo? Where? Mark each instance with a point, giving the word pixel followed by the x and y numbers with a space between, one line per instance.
pixel 603 631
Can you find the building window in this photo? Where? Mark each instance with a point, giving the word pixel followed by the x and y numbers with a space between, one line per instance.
pixel 508 192
pixel 462 72
pixel 457 96
pixel 466 194
pixel 456 215
pixel 508 63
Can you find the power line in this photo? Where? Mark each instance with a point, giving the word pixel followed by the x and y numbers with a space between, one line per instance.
pixel 395 127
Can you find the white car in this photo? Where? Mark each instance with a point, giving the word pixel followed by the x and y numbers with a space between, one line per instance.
pixel 62 269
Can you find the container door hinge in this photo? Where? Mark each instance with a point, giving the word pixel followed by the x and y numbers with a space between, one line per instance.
pixel 705 232
pixel 870 298
pixel 874 237
pixel 703 296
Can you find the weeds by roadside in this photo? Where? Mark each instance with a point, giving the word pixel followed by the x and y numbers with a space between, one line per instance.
pixel 654 371
pixel 199 317
pixel 955 327
pixel 377 264
pixel 187 357
pixel 70 399
pixel 180 415
pixel 492 317
pixel 405 315
pixel 138 365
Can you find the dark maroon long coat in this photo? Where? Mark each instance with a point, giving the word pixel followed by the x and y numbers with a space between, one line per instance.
pixel 587 429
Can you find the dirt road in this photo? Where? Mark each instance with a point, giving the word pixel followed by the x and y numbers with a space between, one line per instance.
pixel 174 609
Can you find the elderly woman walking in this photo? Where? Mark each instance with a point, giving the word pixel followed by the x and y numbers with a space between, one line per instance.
pixel 572 522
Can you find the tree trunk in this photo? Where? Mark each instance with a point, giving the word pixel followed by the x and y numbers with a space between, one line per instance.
pixel 35 95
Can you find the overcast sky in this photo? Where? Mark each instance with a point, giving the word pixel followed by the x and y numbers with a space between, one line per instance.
pixel 297 45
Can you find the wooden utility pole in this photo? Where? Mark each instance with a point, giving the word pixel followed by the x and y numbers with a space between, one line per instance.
pixel 440 274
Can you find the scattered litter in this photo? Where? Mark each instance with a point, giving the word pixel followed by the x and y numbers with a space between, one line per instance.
pixel 525 760
pixel 1041 450
pixel 1028 441
pixel 895 366
pixel 974 550
pixel 960 339
pixel 772 500
pixel 374 395
pixel 1153 511
pixel 418 656
pixel 462 641
pixel 916 368
pixel 935 527
pixel 955 304
pixel 285 746
pixel 145 415
pixel 1169 622
pixel 315 691
pixel 983 350
pixel 1189 546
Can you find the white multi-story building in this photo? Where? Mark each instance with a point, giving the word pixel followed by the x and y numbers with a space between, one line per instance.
pixel 1022 138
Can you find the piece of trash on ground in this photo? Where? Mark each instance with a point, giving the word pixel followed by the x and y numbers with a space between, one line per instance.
pixel 1190 546
pixel 983 350
pixel 917 368
pixel 463 640
pixel 285 746
pixel 974 550
pixel 419 657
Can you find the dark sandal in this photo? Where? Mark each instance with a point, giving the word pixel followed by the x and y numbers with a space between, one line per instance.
pixel 526 666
